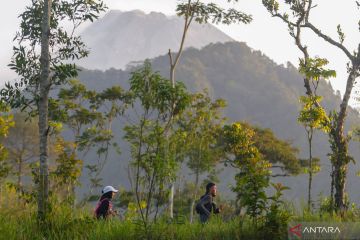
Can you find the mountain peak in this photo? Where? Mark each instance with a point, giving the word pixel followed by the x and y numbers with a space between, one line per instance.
pixel 120 37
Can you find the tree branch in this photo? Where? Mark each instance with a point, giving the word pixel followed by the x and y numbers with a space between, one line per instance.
pixel 330 40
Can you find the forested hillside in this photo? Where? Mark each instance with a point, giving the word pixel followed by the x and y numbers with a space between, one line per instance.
pixel 257 91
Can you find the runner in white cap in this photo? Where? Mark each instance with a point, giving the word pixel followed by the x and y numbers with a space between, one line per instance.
pixel 104 208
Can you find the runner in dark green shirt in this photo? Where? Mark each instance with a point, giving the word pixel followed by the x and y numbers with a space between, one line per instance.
pixel 206 205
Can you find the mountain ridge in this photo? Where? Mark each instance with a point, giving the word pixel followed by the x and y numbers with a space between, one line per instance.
pixel 135 35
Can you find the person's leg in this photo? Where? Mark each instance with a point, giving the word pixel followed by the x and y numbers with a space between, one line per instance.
pixel 203 218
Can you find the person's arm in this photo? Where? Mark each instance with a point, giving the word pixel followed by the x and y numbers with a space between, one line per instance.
pixel 215 208
pixel 203 201
pixel 112 212
pixel 104 208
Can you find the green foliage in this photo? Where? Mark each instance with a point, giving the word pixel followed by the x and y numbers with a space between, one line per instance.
pixel 78 224
pixel 276 151
pixel 211 12
pixel 151 136
pixel 68 168
pixel 253 176
pixel 313 68
pixel 271 5
pixel 356 134
pixel 312 115
pixel 326 205
pixel 88 115
pixel 81 111
pixel 340 34
pixel 338 150
pixel 201 123
pixel 22 144
pixel 315 165
pixel 277 216
pixel 313 71
pixel 64 46
pixel 6 122
pixel 274 102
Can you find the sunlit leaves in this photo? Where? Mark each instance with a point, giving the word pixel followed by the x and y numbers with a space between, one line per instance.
pixel 315 165
pixel 312 115
pixel 253 172
pixel 314 69
pixel 6 122
pixel 239 141
pixel 356 134
pixel 69 167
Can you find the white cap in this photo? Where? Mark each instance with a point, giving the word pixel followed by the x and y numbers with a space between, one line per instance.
pixel 108 189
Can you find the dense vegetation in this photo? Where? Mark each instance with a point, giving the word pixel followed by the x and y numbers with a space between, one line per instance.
pixel 169 133
pixel 257 91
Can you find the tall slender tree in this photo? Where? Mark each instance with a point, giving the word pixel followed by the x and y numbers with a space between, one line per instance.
pixel 196 10
pixel 44 85
pixel 301 11
pixel 153 162
pixel 42 31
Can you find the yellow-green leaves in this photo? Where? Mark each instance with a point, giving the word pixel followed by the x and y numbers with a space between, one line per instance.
pixel 6 122
pixel 69 167
pixel 313 69
pixel 312 115
pixel 253 172
pixel 315 165
pixel 56 126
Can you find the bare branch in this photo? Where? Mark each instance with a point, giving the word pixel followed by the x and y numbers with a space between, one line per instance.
pixel 330 40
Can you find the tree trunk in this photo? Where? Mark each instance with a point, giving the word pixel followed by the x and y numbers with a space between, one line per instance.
pixel 342 156
pixel 194 198
pixel 340 171
pixel 171 197
pixel 1 194
pixel 173 64
pixel 332 191
pixel 43 190
pixel 171 201
pixel 310 134
pixel 19 182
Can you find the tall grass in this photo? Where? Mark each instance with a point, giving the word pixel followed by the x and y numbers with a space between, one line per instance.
pixel 65 223
pixel 18 222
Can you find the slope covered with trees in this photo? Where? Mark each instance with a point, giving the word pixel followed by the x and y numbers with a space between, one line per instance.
pixel 257 90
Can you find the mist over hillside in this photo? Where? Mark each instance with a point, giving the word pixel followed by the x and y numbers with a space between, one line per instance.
pixel 257 91
pixel 119 38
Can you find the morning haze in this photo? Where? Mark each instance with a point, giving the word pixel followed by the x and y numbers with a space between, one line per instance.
pixel 264 33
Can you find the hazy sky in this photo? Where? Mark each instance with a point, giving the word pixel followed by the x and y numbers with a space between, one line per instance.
pixel 265 33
